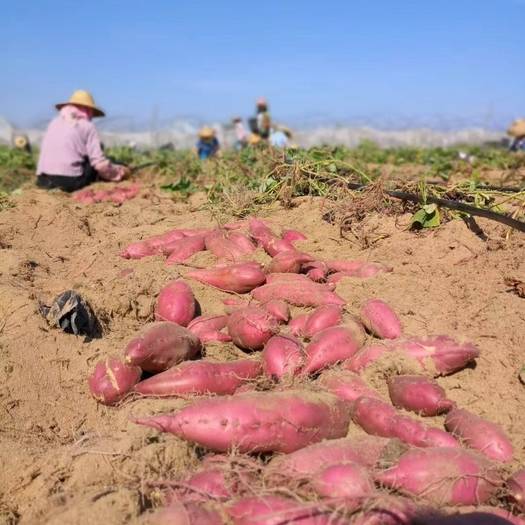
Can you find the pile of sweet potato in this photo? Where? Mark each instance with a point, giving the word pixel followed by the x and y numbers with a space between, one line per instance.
pixel 117 194
pixel 276 422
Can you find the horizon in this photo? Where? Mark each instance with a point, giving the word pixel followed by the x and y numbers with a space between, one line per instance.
pixel 459 62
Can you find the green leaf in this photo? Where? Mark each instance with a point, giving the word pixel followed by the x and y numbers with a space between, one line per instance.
pixel 427 217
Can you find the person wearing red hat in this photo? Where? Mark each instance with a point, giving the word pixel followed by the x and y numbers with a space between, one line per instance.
pixel 261 124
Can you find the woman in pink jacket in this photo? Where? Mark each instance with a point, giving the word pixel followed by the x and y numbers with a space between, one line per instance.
pixel 71 154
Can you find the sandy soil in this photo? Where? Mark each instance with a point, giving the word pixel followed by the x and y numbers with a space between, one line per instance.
pixel 66 459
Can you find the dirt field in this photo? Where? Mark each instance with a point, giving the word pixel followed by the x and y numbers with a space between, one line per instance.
pixel 66 459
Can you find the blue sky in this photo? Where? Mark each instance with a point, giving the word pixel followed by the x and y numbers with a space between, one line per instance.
pixel 335 59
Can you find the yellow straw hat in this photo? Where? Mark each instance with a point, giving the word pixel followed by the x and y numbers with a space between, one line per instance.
pixel 206 133
pixel 517 128
pixel 21 142
pixel 254 139
pixel 83 98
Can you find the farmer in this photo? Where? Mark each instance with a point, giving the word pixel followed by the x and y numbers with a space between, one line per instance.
pixel 517 134
pixel 261 124
pixel 71 154
pixel 280 136
pixel 241 136
pixel 208 144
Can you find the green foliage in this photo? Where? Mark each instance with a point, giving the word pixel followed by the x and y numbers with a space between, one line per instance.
pixel 426 217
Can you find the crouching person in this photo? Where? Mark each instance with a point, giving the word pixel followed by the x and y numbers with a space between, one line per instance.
pixel 71 154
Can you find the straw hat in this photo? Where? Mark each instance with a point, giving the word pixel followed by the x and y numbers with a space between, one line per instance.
pixel 206 133
pixel 254 139
pixel 83 98
pixel 21 142
pixel 517 128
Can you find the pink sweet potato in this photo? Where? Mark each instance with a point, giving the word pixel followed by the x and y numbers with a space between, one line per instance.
pixel 366 356
pixel 380 320
pixel 176 303
pixel 330 346
pixel 238 278
pixel 346 385
pixel 349 481
pixel 444 476
pixel 381 419
pixel 276 510
pixel 293 235
pixel 288 262
pixel 182 249
pixel 267 239
pixel 208 328
pixel 200 377
pixel 440 354
pixel 282 356
pixel 160 346
pixel 304 463
pixel 187 513
pixel 480 434
pixel 323 317
pixel 234 303
pixel 516 488
pixel 418 394
pixel 210 482
pixel 374 416
pixel 297 324
pixel 297 293
pixel 251 327
pixel 278 309
pixel 257 422
pixel 230 246
pixel 361 269
pixel 436 355
pixel 112 380
pixel 138 250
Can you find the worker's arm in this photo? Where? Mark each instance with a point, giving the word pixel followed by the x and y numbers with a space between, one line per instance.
pixel 97 159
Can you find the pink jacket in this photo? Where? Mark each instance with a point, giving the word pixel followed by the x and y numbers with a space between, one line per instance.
pixel 69 139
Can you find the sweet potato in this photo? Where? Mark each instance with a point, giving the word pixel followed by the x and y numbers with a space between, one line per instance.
pixel 257 422
pixel 251 327
pixel 366 356
pixel 230 246
pixel 210 482
pixel 182 249
pixel 304 463
pixel 516 488
pixel 418 394
pixel 176 303
pixel 267 239
pixel 112 379
pixel 346 385
pixel 293 235
pixel 440 353
pixel 444 476
pixel 200 377
pixel 238 278
pixel 138 250
pixel 315 270
pixel 187 513
pixel 279 277
pixel 160 346
pixel 278 309
pixel 288 262
pixel 436 355
pixel 282 355
pixel 276 510
pixel 480 434
pixel 297 293
pixel 387 510
pixel 234 303
pixel 349 481
pixel 323 317
pixel 208 328
pixel 328 347
pixel 380 320
pixel 297 324
pixel 381 419
pixel 361 269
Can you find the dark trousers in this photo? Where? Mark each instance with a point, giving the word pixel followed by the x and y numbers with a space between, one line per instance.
pixel 69 184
